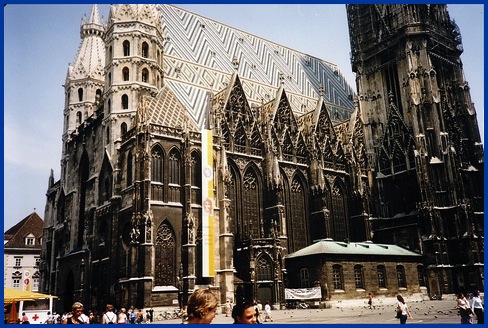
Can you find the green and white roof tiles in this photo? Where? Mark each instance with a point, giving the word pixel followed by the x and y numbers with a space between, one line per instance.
pixel 200 55
pixel 331 247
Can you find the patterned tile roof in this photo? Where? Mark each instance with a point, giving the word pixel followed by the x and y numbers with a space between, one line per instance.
pixel 201 55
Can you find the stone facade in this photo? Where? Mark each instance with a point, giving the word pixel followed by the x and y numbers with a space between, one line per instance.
pixel 125 223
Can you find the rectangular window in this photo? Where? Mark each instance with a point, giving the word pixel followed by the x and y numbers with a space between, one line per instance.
pixel 18 261
pixel 16 283
pixel 29 241
pixel 304 278
pixel 38 261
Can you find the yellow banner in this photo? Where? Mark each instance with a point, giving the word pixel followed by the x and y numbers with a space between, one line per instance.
pixel 208 249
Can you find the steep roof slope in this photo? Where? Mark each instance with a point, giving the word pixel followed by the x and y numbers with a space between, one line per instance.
pixel 15 236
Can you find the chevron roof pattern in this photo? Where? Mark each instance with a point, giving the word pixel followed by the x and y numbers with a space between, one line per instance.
pixel 201 54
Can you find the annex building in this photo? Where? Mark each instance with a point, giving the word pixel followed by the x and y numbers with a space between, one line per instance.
pixel 195 154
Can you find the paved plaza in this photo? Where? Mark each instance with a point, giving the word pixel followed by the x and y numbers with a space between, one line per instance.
pixel 424 312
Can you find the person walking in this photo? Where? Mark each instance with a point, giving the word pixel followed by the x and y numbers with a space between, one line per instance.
pixel 122 317
pixel 202 306
pixel 228 308
pixel 370 301
pixel 109 316
pixel 464 309
pixel 245 313
pixel 267 312
pixel 477 307
pixel 403 308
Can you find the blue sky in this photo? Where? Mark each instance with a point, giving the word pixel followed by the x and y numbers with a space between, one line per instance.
pixel 40 41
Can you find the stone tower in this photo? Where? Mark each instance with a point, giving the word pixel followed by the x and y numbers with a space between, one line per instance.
pixel 133 66
pixel 423 141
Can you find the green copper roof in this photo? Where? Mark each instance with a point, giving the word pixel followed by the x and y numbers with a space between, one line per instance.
pixel 351 248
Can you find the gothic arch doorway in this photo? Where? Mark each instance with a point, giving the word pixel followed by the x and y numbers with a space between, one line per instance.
pixel 69 288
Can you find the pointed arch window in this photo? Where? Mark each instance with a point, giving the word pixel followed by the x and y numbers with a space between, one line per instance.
pixel 157 165
pixel 125 101
pixel 110 52
pixel 339 213
pixel 196 178
pixel 174 176
pixel 165 259
pixel 126 46
pixel 107 135
pixel 298 216
pixel 98 96
pixel 264 269
pixel 250 205
pixel 125 73
pixel 78 118
pixel 109 78
pixel 145 75
pixel 109 105
pixel 129 169
pixel 80 94
pixel 145 50
pixel 123 128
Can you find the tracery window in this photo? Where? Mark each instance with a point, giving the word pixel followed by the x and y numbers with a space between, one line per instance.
pixel 165 261
pixel 298 216
pixel 359 276
pixel 338 213
pixel 129 169
pixel 196 178
pixel 157 165
pixel 250 204
pixel 264 269
pixel 337 276
pixel 174 176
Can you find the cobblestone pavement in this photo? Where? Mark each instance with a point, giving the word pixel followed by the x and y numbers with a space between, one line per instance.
pixel 423 312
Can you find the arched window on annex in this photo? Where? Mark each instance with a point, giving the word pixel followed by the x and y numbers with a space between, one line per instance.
pixel 401 278
pixel 359 276
pixel 305 278
pixel 381 274
pixel 337 277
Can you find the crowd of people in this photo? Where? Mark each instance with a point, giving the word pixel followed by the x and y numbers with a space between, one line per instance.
pixel 203 304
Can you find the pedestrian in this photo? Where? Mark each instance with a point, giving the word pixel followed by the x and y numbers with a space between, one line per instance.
pixel 151 314
pixel 477 307
pixel 132 315
pixel 370 301
pixel 258 313
pixel 76 315
pixel 50 318
pixel 464 309
pixel 403 308
pixel 122 317
pixel 267 312
pixel 140 316
pixel 25 319
pixel 244 312
pixel 109 317
pixel 228 308
pixel 202 306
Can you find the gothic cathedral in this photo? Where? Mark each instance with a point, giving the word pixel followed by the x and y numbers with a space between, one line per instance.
pixel 195 154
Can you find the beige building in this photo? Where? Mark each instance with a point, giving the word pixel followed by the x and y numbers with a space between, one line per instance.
pixel 22 254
